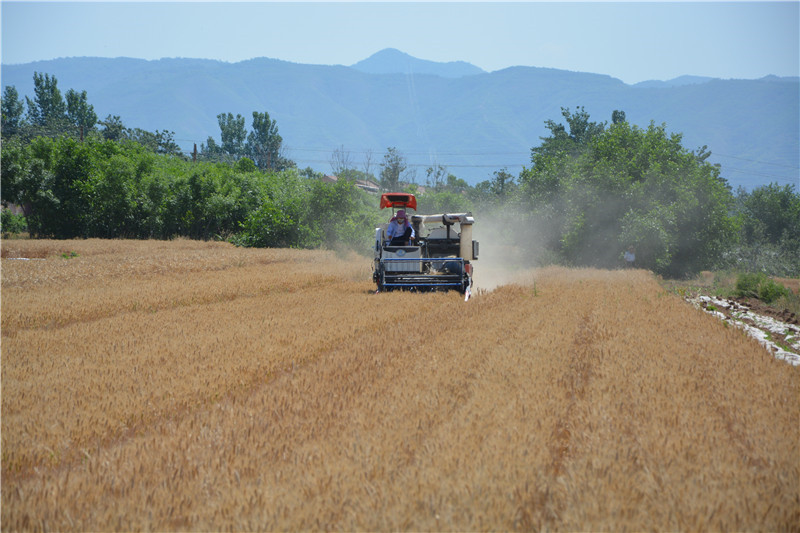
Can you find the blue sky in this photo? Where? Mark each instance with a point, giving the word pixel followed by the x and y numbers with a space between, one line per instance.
pixel 632 41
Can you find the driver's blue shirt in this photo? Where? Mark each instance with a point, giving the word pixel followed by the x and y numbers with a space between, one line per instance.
pixel 397 230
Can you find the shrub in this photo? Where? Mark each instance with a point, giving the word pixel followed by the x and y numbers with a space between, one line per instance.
pixel 12 224
pixel 769 291
pixel 758 285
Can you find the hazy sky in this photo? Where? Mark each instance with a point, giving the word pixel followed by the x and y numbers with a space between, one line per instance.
pixel 632 41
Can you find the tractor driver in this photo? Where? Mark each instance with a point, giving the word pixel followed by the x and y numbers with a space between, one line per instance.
pixel 400 232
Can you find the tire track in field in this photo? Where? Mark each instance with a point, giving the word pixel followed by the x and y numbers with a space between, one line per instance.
pixel 581 357
pixel 542 506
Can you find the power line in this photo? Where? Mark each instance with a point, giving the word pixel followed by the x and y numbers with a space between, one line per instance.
pixel 420 165
pixel 522 165
pixel 752 173
pixel 404 152
pixel 435 154
pixel 756 161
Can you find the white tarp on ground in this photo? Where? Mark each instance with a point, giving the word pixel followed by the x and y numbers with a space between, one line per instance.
pixel 758 326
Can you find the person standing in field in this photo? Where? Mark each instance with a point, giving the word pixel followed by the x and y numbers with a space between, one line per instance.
pixel 630 257
pixel 399 232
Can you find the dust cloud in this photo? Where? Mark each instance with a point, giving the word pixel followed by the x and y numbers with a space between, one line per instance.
pixel 510 249
pixel 514 243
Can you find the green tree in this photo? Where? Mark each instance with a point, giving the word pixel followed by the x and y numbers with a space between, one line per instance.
pixel 160 142
pixel 456 184
pixel 310 173
pixel 48 108
pixel 113 128
pixel 111 194
pixel 627 186
pixel 233 134
pixel 264 144
pixel 392 168
pixel 502 185
pixel 54 183
pixel 769 236
pixel 771 213
pixel 103 188
pixel 79 112
pixel 12 112
pixel 11 223
pixel 335 211
pixel 245 165
pixel 580 134
pixel 552 161
pixel 15 162
pixel 436 176
pixel 210 150
pixel 280 217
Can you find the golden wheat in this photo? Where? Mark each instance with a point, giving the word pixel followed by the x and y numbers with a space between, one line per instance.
pixel 197 386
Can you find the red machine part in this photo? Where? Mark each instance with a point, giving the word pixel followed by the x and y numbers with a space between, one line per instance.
pixel 399 199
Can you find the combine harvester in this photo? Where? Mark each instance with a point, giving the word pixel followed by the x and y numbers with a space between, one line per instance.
pixel 437 259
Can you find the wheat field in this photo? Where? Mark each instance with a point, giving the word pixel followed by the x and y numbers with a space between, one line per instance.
pixel 184 385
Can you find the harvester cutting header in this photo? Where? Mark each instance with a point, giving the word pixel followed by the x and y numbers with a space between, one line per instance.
pixel 423 252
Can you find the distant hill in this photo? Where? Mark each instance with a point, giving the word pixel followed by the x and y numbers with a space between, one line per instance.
pixel 392 61
pixel 473 122
pixel 675 82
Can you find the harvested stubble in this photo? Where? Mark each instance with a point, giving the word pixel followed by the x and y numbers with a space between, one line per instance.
pixel 197 386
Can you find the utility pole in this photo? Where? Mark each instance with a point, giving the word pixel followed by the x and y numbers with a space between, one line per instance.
pixel 194 154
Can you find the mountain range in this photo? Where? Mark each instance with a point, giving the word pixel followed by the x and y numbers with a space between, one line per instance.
pixel 452 114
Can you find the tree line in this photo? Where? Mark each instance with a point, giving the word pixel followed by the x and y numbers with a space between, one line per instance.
pixel 592 190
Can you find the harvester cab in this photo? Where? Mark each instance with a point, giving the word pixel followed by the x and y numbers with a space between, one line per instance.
pixel 437 259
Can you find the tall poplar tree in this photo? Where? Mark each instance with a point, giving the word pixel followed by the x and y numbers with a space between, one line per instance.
pixel 392 167
pixel 48 108
pixel 12 110
pixel 264 143
pixel 232 133
pixel 79 111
